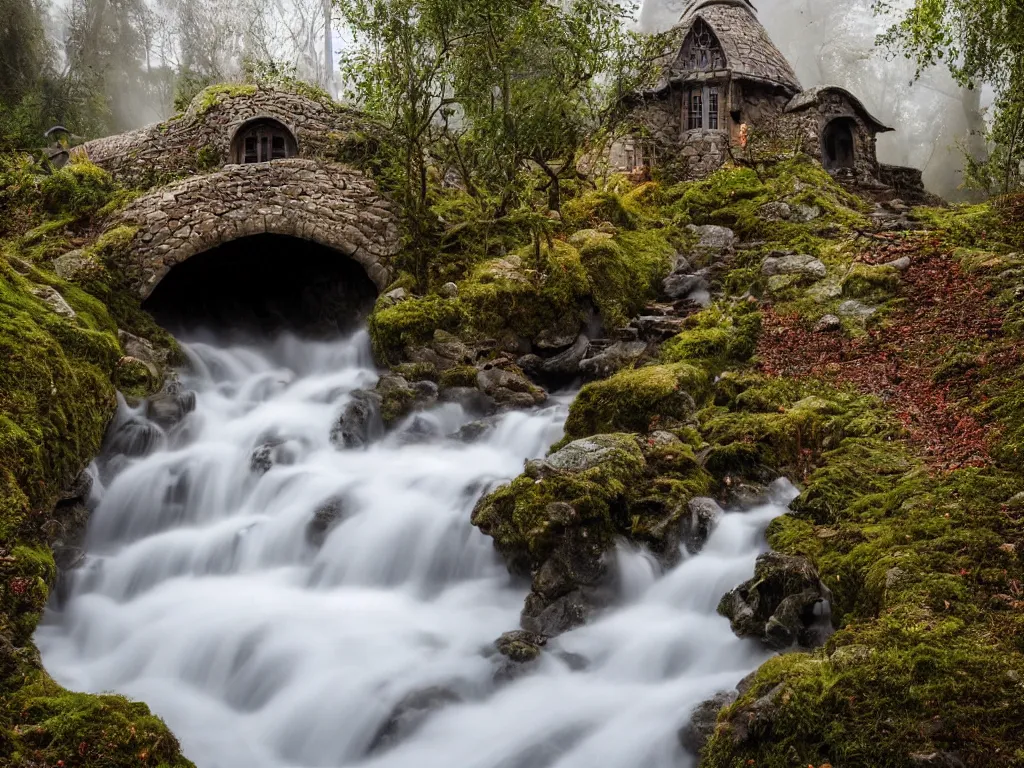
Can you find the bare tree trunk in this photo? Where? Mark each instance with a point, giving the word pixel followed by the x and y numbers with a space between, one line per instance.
pixel 328 83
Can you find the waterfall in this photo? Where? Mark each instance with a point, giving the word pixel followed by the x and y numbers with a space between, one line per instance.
pixel 339 609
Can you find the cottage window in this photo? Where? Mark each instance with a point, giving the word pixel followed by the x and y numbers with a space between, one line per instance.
pixel 263 140
pixel 701 50
pixel 696 109
pixel 702 108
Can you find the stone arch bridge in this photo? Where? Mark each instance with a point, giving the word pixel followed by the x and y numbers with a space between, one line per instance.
pixel 331 205
pixel 297 175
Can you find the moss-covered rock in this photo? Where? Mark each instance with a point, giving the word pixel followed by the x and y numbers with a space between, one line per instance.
pixel 636 400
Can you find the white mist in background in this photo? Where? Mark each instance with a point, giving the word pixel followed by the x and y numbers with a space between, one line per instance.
pixel 832 42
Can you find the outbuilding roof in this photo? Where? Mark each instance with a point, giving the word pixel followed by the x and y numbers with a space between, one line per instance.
pixel 813 96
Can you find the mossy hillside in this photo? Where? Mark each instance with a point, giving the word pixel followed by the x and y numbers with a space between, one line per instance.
pixel 926 587
pixel 734 197
pixel 526 293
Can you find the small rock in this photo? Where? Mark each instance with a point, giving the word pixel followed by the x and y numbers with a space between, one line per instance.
pixel 855 308
pixel 902 264
pixel 680 286
pixel 584 236
pixel 801 264
pixel 695 734
pixel 567 363
pixel 470 398
pixel 409 714
pixel 76 265
pixel 509 387
pixel 520 646
pixel 936 760
pixel 325 517
pixel 1016 501
pixel 169 407
pixel 79 488
pixel 775 211
pixel 54 299
pixel 704 516
pixel 607 228
pixel 269 454
pixel 397 295
pixel 805 213
pixel 603 362
pixel 785 603
pixel 359 422
pixel 658 327
pixel 552 340
pixel 825 290
pixel 828 324
pixel 588 452
pixel 449 290
pixel 713 242
pixel 473 431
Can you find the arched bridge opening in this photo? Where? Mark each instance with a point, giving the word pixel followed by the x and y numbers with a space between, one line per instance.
pixel 264 284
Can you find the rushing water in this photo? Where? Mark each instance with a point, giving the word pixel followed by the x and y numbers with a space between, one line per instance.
pixel 204 596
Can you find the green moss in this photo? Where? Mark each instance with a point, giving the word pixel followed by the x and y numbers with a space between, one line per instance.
pixel 624 272
pixel 78 189
pixel 208 158
pixel 213 95
pixel 524 525
pixel 871 283
pixel 416 371
pixel 52 726
pixel 459 376
pixel 410 322
pixel 718 337
pixel 637 400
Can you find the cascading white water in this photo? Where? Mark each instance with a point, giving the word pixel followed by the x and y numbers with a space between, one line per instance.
pixel 203 595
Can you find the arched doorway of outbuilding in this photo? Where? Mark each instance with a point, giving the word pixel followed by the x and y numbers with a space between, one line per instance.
pixel 838 144
pixel 263 284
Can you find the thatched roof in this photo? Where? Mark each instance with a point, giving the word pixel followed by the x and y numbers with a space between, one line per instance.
pixel 750 54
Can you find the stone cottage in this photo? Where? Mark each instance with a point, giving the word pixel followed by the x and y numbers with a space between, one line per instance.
pixel 726 90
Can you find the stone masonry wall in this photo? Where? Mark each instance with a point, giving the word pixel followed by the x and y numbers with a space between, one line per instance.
pixel 200 139
pixel 327 203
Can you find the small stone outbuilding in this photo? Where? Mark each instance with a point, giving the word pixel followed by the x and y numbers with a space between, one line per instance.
pixel 725 90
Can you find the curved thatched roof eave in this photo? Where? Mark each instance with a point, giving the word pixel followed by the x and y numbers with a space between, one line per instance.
pixel 812 96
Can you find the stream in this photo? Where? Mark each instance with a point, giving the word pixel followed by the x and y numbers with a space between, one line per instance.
pixel 340 610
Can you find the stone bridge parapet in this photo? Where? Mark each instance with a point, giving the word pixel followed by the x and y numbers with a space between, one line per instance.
pixel 327 203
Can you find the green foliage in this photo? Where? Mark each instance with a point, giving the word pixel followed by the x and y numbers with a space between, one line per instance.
pixel 717 337
pixel 981 43
pixel 78 189
pixel 213 95
pixel 393 328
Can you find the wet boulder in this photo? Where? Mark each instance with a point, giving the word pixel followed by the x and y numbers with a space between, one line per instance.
pixel 359 422
pixel 270 453
pixel 398 397
pixel 785 604
pixel 703 514
pixel 473 431
pixel 469 398
pixel 601 361
pixel 701 726
pixel 133 438
pixel 713 243
pixel 409 714
pixel 169 407
pixel 325 517
pixel 556 523
pixel 566 363
pixel 800 264
pixel 508 386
